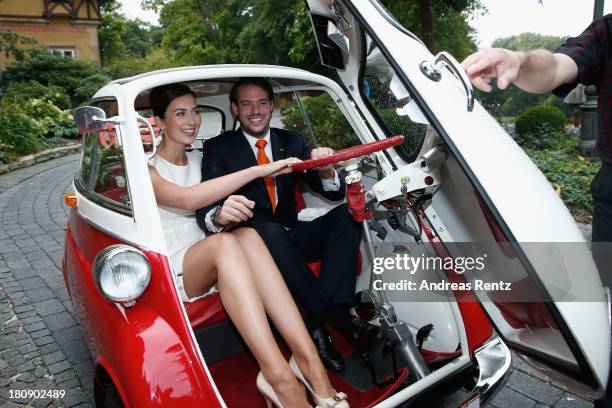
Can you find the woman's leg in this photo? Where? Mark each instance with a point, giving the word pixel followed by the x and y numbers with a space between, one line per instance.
pixel 281 308
pixel 223 254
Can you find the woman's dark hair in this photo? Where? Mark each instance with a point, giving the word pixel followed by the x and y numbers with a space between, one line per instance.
pixel 260 82
pixel 161 96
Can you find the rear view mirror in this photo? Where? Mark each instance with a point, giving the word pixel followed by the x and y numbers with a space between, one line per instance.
pixel 331 43
pixel 91 119
pixel 334 34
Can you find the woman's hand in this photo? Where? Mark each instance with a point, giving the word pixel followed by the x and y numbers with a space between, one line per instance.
pixel 277 168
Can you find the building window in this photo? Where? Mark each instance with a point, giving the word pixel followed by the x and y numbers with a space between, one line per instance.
pixel 64 52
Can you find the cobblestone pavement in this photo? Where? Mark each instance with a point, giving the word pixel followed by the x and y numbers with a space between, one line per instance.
pixel 41 347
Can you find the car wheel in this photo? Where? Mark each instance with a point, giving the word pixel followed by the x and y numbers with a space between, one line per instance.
pixel 112 399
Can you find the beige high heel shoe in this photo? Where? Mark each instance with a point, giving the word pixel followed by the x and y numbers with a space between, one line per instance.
pixel 267 391
pixel 337 401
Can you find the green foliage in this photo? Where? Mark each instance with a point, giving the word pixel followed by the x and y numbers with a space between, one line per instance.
pixel 89 85
pixel 528 41
pixel 537 126
pixel 50 120
pixel 64 72
pixel 15 45
pixel 4 157
pixel 140 37
pixel 329 124
pixel 122 39
pixel 154 5
pixel 17 92
pixel 448 29
pixel 568 172
pixel 237 31
pixel 36 117
pixel 303 50
pixel 19 133
pixel 112 47
pixel 279 32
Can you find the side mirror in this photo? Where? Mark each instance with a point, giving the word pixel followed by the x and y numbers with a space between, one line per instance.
pixel 90 119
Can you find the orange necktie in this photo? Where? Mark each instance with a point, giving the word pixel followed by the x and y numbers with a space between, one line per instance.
pixel 262 158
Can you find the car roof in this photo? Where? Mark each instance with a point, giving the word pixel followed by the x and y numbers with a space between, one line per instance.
pixel 211 80
pixel 200 67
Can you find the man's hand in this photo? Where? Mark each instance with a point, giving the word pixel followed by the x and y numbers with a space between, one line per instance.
pixel 490 63
pixel 326 172
pixel 536 71
pixel 235 209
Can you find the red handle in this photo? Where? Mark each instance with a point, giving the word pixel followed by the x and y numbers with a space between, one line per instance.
pixel 349 153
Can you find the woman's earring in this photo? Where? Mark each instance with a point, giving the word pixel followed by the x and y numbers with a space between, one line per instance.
pixel 160 136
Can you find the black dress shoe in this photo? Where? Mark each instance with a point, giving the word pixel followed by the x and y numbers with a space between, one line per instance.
pixel 329 355
pixel 363 335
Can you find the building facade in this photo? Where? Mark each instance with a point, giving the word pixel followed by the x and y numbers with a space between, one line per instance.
pixel 65 27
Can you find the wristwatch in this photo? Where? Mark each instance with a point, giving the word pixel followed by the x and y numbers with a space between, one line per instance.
pixel 218 228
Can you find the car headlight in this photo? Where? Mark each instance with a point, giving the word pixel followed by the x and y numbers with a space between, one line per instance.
pixel 122 273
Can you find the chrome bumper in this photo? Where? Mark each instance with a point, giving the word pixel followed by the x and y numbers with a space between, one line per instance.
pixel 493 360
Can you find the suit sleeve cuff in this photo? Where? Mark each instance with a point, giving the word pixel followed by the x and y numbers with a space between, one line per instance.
pixel 331 184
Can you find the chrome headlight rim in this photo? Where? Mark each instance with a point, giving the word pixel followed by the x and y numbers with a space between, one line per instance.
pixel 109 252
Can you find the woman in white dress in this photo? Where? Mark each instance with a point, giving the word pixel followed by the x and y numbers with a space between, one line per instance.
pixel 249 282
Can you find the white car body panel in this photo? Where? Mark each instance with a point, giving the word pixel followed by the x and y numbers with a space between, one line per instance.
pixel 518 191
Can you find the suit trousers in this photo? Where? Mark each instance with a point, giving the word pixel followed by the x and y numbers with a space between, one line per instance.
pixel 334 238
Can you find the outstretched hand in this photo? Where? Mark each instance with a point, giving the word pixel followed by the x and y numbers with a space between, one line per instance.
pixel 490 63
pixel 277 168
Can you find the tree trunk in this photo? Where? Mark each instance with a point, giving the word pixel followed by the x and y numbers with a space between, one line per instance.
pixel 426 19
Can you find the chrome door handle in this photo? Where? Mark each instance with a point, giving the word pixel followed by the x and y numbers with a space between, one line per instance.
pixel 433 70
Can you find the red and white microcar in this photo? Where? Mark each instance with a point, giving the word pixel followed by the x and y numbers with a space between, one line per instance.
pixel 456 178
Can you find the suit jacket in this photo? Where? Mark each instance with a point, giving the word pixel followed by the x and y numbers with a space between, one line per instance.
pixel 231 152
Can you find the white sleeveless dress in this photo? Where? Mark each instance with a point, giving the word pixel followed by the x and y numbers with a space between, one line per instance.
pixel 180 227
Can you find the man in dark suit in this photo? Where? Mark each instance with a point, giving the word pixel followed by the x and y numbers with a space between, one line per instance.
pixel 269 206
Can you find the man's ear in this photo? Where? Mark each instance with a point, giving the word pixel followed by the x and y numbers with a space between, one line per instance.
pixel 234 109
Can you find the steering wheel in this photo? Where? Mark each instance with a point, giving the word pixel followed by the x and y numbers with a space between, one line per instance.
pixel 349 153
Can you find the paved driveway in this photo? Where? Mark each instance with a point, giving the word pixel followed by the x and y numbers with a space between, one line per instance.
pixel 41 347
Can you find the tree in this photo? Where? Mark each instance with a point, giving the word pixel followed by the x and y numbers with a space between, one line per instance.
pixel 529 41
pixel 122 38
pixel 112 47
pixel 130 47
pixel 13 44
pixel 441 24
pixel 237 31
pixel 245 31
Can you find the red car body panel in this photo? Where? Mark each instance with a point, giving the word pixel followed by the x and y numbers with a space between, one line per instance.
pixel 147 349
